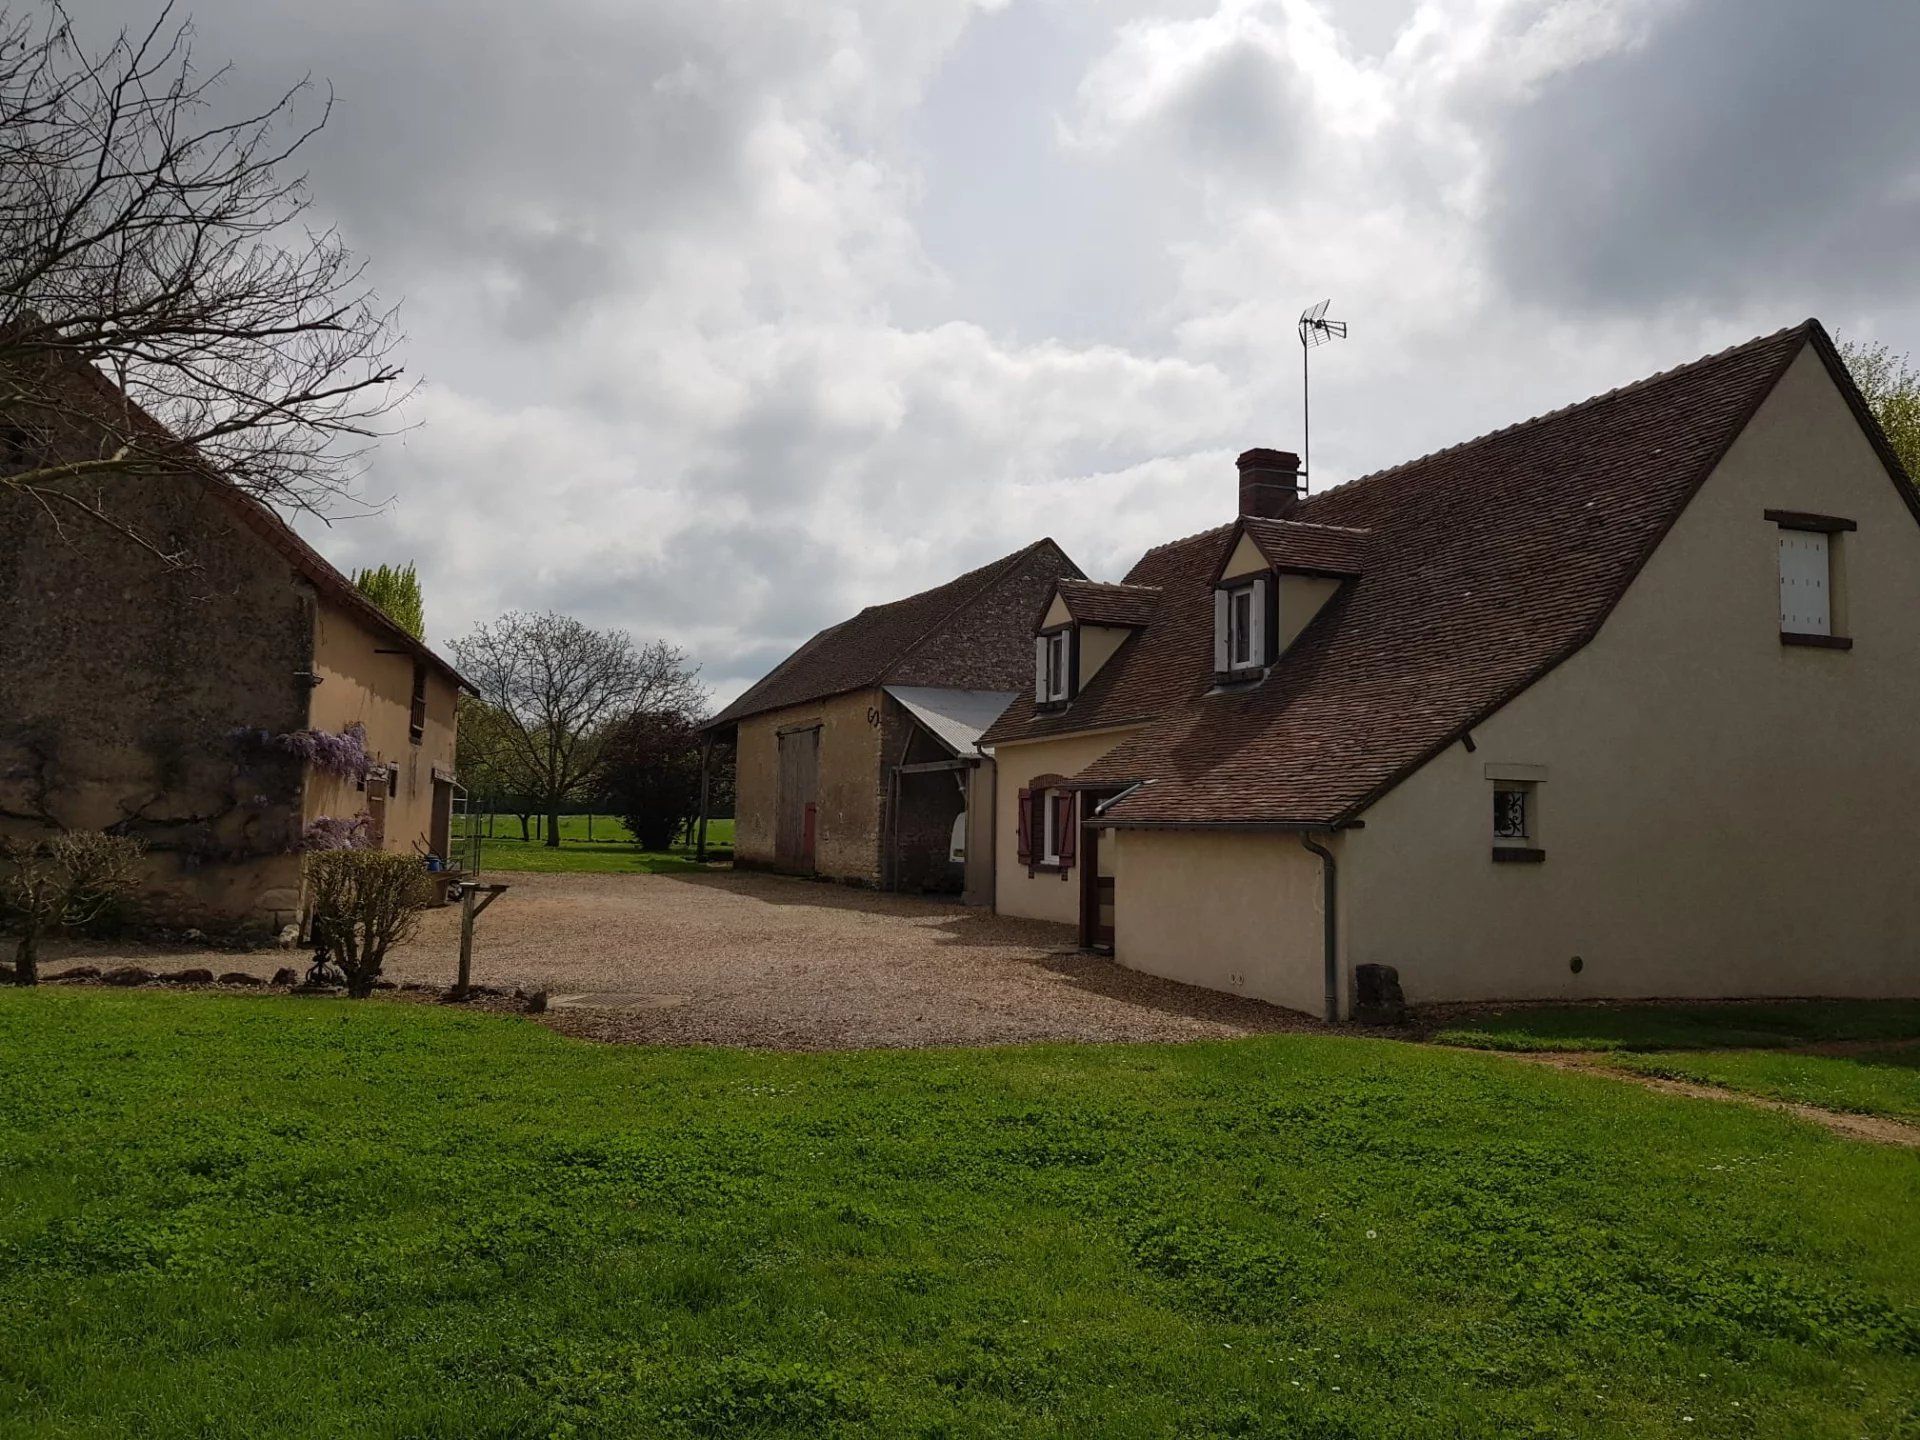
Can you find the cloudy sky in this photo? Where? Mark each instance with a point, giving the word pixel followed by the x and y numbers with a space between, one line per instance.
pixel 736 315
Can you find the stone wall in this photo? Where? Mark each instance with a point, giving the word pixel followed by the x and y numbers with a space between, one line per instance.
pixel 133 695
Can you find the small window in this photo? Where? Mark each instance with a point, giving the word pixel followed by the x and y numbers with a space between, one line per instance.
pixel 1241 626
pixel 1510 819
pixel 1806 583
pixel 1053 667
pixel 417 728
pixel 1049 828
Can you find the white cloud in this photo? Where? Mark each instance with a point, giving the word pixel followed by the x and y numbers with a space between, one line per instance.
pixel 739 314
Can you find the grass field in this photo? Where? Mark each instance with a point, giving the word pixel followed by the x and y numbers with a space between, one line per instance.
pixel 255 1217
pixel 611 851
pixel 1681 1026
pixel 1874 1082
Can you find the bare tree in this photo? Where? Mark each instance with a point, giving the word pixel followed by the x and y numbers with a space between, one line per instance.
pixel 67 881
pixel 558 687
pixel 162 305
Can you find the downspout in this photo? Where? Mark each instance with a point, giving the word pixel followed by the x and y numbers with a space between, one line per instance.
pixel 1329 924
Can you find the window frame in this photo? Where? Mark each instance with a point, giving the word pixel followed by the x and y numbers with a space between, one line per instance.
pixel 1246 610
pixel 1830 529
pixel 1527 781
pixel 1057 671
pixel 417 709
pixel 1524 794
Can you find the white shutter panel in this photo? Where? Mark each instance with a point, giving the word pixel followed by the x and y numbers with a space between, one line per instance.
pixel 1040 669
pixel 1220 629
pixel 1804 601
pixel 1257 651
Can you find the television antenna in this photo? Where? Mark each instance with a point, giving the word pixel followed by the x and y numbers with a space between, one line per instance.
pixel 1315 330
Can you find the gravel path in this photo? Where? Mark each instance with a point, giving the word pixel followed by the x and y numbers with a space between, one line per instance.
pixel 745 959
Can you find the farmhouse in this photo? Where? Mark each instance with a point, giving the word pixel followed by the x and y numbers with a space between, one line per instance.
pixel 225 711
pixel 856 755
pixel 1615 702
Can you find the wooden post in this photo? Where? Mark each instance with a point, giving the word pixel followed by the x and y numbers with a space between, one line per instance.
pixel 706 755
pixel 461 985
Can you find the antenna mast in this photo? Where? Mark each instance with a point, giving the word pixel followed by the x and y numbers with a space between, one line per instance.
pixel 1315 330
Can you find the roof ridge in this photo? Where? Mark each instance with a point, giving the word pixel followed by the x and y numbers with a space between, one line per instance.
pixel 1186 540
pixel 1106 584
pixel 1310 524
pixel 1804 327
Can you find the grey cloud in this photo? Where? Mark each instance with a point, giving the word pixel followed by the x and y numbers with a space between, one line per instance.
pixel 1748 147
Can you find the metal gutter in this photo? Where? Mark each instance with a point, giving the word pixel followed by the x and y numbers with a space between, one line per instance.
pixel 1329 923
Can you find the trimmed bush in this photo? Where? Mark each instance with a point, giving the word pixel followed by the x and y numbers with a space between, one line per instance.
pixel 360 904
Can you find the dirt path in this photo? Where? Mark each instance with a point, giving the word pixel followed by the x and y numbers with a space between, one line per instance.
pixel 1876 1128
pixel 731 958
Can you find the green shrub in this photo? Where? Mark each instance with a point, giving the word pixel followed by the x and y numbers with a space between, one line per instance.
pixel 360 904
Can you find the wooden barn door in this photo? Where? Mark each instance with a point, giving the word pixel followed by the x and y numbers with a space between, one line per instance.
pixel 794 823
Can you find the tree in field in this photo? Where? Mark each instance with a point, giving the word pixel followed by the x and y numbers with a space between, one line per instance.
pixel 1892 390
pixel 64 882
pixel 650 774
pixel 151 243
pixel 559 687
pixel 396 590
pixel 489 763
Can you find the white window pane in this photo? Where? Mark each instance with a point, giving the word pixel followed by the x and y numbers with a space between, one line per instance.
pixel 1805 583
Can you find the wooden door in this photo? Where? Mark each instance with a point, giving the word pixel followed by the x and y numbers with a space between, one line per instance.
pixel 1096 881
pixel 794 820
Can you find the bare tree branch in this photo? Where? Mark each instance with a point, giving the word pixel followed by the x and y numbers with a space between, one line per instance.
pixel 148 245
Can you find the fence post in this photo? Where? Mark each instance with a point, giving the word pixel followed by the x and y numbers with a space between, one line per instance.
pixel 466 943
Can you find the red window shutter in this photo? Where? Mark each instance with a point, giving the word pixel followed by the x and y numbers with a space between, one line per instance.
pixel 1024 815
pixel 1066 830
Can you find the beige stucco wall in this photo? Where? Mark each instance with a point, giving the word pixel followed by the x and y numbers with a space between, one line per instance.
pixel 1044 896
pixel 1234 912
pixel 1300 599
pixel 358 683
pixel 1057 613
pixel 848 817
pixel 1722 814
pixel 1246 559
pixel 1097 644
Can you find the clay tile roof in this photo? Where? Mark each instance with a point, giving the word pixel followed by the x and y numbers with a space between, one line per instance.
pixel 1091 602
pixel 885 643
pixel 1304 545
pixel 1484 566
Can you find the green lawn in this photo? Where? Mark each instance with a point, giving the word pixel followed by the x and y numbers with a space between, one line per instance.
pixel 243 1216
pixel 1681 1026
pixel 1875 1082
pixel 611 851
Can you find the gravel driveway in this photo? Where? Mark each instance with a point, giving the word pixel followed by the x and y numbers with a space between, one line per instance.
pixel 747 959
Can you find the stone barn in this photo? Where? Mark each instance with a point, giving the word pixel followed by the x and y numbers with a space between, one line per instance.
pixel 856 756
pixel 224 710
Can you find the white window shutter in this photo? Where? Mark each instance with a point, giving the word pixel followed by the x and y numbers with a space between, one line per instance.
pixel 1805 604
pixel 1258 649
pixel 1040 669
pixel 1221 626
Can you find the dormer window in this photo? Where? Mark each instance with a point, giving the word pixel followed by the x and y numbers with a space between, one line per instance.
pixel 1054 657
pixel 1242 627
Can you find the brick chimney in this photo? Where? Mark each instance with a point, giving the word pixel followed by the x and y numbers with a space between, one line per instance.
pixel 1269 482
